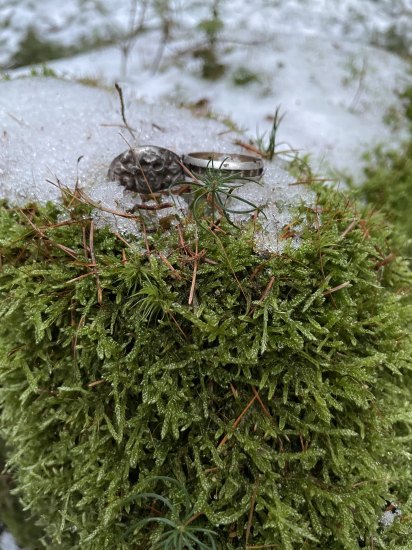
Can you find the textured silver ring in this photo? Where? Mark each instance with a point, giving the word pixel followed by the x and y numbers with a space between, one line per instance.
pixel 146 169
pixel 240 165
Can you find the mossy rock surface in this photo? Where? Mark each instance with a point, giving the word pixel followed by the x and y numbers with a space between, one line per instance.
pixel 279 397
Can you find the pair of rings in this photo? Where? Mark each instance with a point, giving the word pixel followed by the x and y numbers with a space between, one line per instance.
pixel 150 169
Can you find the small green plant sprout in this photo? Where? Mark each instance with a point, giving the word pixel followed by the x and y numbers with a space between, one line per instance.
pixel 298 163
pixel 268 148
pixel 178 530
pixel 214 192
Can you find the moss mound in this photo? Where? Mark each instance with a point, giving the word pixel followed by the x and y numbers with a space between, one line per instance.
pixel 273 410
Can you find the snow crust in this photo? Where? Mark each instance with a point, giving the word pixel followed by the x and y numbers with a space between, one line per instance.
pixel 69 133
pixel 65 131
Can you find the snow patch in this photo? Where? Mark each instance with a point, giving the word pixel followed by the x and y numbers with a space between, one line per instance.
pixel 66 133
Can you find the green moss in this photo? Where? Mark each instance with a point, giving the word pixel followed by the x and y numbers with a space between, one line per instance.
pixel 33 49
pixel 11 514
pixel 388 187
pixel 243 76
pixel 406 97
pixel 280 398
pixel 212 68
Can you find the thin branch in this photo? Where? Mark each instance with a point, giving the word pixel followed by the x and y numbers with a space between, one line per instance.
pixel 195 264
pixel 264 408
pixel 336 288
pixel 122 109
pixel 251 510
pixel 353 224
pixel 93 257
pixel 69 251
pixel 95 383
pixel 237 421
pixel 175 273
pixel 386 260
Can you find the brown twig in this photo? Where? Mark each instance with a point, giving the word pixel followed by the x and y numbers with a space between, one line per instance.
pixel 210 470
pixel 353 224
pixel 61 224
pixel 237 421
pixel 146 241
pixel 122 239
pixel 175 273
pixel 79 278
pixel 69 251
pixel 261 546
pixel 267 289
pixel 386 260
pixel 124 257
pixel 264 408
pixel 95 383
pixel 75 337
pixel 249 147
pixel 251 510
pixel 83 198
pixel 192 519
pixel 195 264
pixel 93 257
pixel 84 241
pixel 309 181
pixel 122 109
pixel 336 288
pixel 265 293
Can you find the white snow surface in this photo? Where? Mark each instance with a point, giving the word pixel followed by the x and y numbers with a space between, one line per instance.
pixel 56 122
pixel 7 542
pixel 316 60
pixel 66 132
pixel 380 22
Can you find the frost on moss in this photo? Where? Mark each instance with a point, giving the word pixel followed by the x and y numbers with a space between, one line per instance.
pixel 279 397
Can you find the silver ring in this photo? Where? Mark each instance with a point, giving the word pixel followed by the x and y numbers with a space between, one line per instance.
pixel 240 165
pixel 146 169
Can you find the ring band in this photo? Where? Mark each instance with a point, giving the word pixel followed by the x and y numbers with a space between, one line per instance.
pixel 240 165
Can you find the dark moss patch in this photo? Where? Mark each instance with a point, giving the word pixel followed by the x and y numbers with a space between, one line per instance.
pixel 33 49
pixel 12 516
pixel 243 76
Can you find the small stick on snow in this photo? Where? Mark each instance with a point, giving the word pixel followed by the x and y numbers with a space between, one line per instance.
pixel 120 92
